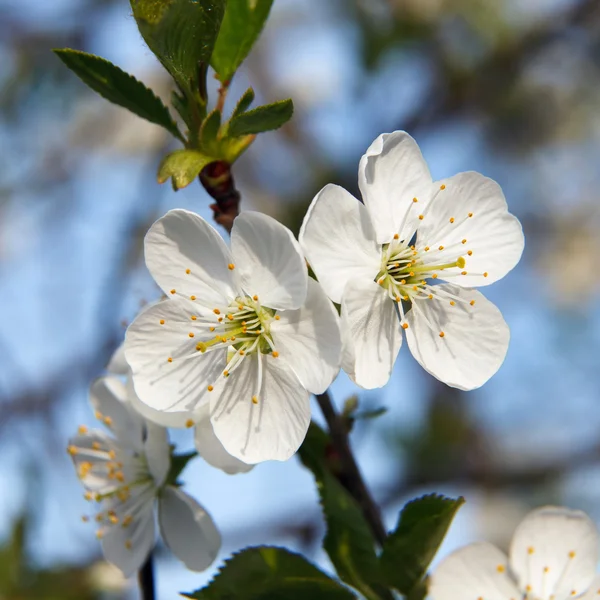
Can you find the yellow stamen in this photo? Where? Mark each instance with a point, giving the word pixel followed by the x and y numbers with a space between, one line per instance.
pixel 442 334
pixel 173 291
pixel 275 354
pixel 187 271
pixel 231 266
pixel 162 321
pixel 404 325
pixel 210 388
pixel 189 423
pixel 254 400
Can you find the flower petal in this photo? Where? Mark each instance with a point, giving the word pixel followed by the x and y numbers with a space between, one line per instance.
pixel 593 591
pixel 211 450
pixel 274 427
pixel 309 340
pixel 554 551
pixel 108 396
pixel 117 365
pixel 474 341
pixel 90 453
pixel 269 261
pixel 128 547
pixel 492 234
pixel 158 452
pixel 475 571
pixel 391 173
pixel 185 254
pixel 374 331
pixel 187 529
pixel 338 240
pixel 161 332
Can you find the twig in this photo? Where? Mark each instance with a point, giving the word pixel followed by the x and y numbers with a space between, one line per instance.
pixel 146 579
pixel 217 180
pixel 351 477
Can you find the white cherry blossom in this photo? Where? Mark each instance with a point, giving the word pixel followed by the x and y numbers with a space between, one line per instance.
pixel 245 332
pixel 408 259
pixel 127 475
pixel 553 556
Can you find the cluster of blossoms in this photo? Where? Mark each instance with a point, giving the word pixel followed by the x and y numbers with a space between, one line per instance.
pixel 244 335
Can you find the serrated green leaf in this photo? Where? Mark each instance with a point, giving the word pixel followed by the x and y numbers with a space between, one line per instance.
pixel 348 541
pixel 243 103
pixel 263 118
pixel 210 129
pixel 410 548
pixel 241 26
pixel 183 166
pixel 270 573
pixel 118 87
pixel 182 34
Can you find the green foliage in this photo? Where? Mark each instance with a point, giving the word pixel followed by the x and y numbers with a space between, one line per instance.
pixel 241 26
pixel 263 118
pixel 243 103
pixel 118 87
pixel 182 34
pixel 348 541
pixel 210 129
pixel 410 548
pixel 270 573
pixel 183 166
pixel 178 464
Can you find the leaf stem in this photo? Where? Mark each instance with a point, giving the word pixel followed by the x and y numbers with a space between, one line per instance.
pixel 146 579
pixel 351 477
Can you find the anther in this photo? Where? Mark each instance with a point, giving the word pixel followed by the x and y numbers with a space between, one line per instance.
pixel 187 271
pixel 192 297
pixel 127 521
pixel 99 534
pixel 230 317
pixel 193 317
pixel 162 321
pixel 470 252
pixel 403 282
pixel 530 550
pixel 201 347
pixel 169 359
pixel 426 248
pixel 500 568
pixel 485 274
pixel 396 236
pixel 415 200
pixel 216 311
pixel 451 219
pixel 442 187
pixel 128 544
pixel 275 354
pixel 452 303
pixel 430 296
pixel 470 215
pixel 89 496
pixel 211 328
pixel 434 276
pixel 254 400
pixel 572 554
pixel 421 217
pixel 442 334
pixel 225 373
pixel 463 272
pixel 472 303
pixel 96 446
pixel 210 388
pixel 85 518
pixel 107 421
pixel 191 334
pixel 173 291
pixel 255 298
pixel 82 430
pixel 220 319
pixel 464 241
pixel 189 423
pixel 242 352
pixel 232 338
pixel 404 325
pixel 113 519
pixel 441 248
pixel 98 415
pixel 277 317
pixel 231 266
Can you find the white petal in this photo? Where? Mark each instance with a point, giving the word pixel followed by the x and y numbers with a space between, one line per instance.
pixel 309 340
pixel 348 351
pixel 374 329
pixel 269 261
pixel 117 365
pixel 108 396
pixel 338 239
pixel 187 529
pixel 95 479
pixel 272 429
pixel 158 452
pixel 391 173
pixel 563 541
pixel 141 535
pixel 180 385
pixel 159 417
pixel 475 571
pixel 593 591
pixel 475 337
pixel 211 450
pixel 493 235
pixel 182 241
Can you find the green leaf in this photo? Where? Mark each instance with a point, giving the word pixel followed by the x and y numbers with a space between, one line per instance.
pixel 182 34
pixel 183 166
pixel 243 103
pixel 410 548
pixel 118 87
pixel 348 540
pixel 270 573
pixel 210 129
pixel 263 118
pixel 242 24
pixel 178 464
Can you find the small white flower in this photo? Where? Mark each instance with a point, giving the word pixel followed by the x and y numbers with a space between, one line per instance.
pixel 553 556
pixel 126 474
pixel 245 331
pixel 384 261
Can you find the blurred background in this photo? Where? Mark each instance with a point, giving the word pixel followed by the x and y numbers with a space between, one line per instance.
pixel 510 88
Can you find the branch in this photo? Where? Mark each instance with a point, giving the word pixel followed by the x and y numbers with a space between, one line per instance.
pixel 146 579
